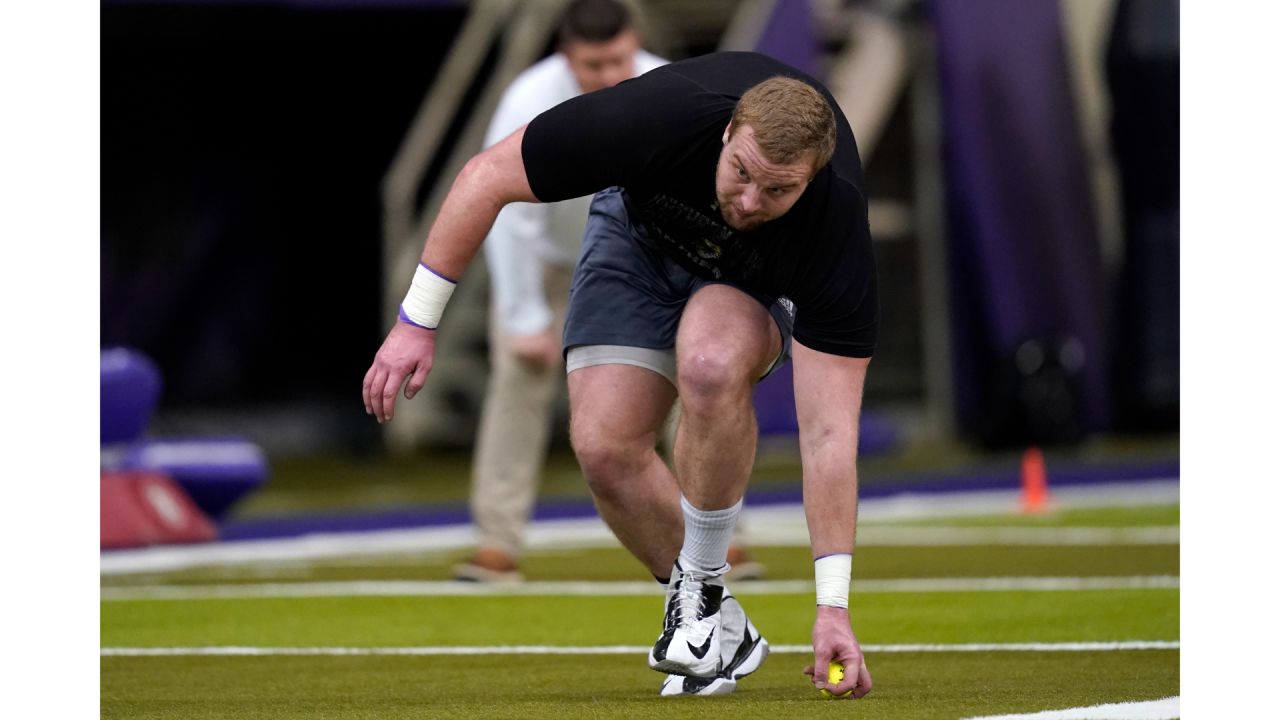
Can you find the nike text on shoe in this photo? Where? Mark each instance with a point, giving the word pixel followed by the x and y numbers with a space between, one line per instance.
pixel 680 685
pixel 690 643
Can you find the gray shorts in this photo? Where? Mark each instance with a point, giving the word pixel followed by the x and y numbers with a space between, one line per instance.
pixel 627 297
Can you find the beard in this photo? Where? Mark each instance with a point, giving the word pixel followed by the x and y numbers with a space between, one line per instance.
pixel 739 222
pixel 733 218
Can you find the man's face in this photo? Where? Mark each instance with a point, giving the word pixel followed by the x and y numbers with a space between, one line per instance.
pixel 750 189
pixel 604 64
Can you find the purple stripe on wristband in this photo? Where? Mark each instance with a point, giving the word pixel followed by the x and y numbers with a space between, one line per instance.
pixel 405 319
pixel 820 556
pixel 440 275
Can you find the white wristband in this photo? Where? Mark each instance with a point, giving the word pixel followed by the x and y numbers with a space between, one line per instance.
pixel 427 296
pixel 831 576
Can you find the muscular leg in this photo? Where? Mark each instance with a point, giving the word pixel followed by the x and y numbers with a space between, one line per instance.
pixel 725 343
pixel 616 415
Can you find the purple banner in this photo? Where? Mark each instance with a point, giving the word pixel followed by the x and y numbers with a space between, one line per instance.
pixel 789 36
pixel 1025 264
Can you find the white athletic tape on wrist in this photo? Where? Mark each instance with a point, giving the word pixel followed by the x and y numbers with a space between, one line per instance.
pixel 831 577
pixel 428 294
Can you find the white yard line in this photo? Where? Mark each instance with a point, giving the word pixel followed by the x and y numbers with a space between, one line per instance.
pixel 765 525
pixel 370 588
pixel 899 536
pixel 923 506
pixel 777 529
pixel 1164 709
pixel 617 649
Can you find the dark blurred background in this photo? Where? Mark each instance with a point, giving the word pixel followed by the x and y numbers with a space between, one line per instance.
pixel 242 149
pixel 269 169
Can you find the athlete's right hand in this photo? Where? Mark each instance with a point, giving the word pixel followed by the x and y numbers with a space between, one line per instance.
pixel 406 353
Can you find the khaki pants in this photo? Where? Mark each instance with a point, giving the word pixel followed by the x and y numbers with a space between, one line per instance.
pixel 515 425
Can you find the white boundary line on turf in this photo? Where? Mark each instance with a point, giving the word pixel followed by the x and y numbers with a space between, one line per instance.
pixel 619 649
pixel 782 524
pixel 1162 709
pixel 427 588
pixel 921 536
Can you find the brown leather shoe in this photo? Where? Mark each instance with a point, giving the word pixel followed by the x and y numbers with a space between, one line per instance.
pixel 489 565
pixel 741 566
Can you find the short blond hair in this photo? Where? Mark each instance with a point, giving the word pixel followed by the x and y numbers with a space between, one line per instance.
pixel 790 119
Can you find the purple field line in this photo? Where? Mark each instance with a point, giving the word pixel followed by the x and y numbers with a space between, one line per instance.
pixel 552 509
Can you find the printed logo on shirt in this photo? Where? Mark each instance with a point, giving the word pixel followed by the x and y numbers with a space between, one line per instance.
pixel 702 242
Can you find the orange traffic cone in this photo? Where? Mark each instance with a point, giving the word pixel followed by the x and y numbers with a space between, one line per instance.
pixel 1035 482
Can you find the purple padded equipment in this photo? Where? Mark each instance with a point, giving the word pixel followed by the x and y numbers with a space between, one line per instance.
pixel 776 415
pixel 130 389
pixel 216 472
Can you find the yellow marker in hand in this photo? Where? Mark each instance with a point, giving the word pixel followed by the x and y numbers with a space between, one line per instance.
pixel 835 673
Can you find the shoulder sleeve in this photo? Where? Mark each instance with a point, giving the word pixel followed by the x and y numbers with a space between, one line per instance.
pixel 605 138
pixel 839 311
pixel 848 326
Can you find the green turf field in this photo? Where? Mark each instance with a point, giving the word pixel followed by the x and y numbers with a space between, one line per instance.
pixel 1134 598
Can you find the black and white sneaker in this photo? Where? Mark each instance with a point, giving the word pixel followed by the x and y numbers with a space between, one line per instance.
pixel 742 651
pixel 681 685
pixel 742 647
pixel 690 643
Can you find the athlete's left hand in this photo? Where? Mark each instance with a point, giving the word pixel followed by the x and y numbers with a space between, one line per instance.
pixel 833 640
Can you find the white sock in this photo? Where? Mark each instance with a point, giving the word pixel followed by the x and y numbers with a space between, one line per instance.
pixel 706 537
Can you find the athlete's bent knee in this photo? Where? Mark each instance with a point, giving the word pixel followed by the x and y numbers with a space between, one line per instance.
pixel 605 461
pixel 709 377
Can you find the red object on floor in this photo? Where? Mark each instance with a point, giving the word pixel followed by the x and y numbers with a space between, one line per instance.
pixel 1035 482
pixel 140 508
